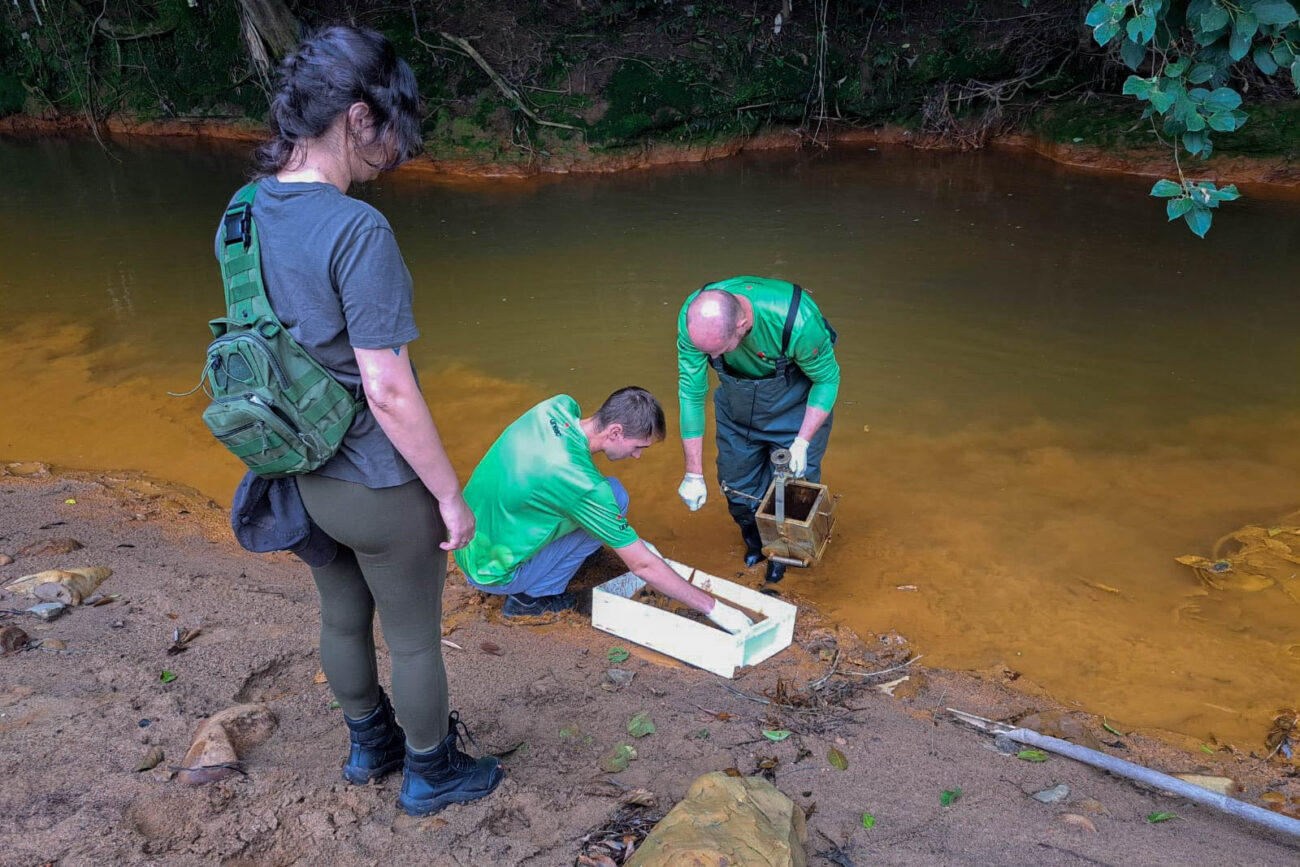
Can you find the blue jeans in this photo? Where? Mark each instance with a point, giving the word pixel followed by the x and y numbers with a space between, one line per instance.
pixel 551 569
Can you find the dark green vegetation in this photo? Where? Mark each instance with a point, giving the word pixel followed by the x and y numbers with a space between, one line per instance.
pixel 564 75
pixel 1192 62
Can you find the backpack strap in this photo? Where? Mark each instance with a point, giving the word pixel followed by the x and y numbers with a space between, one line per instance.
pixel 241 260
pixel 790 317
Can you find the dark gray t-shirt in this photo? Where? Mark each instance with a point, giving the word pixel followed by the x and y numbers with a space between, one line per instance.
pixel 337 281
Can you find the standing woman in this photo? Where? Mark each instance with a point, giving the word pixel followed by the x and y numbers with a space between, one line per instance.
pixel 346 109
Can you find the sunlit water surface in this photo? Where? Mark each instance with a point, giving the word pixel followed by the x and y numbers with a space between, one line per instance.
pixel 1048 392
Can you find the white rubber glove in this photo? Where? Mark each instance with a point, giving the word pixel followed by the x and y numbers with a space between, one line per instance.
pixel 799 457
pixel 729 618
pixel 693 491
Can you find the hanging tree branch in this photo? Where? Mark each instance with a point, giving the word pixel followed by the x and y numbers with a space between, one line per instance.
pixel 502 85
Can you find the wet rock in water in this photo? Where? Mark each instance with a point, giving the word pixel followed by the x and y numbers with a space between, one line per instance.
pixel 50 546
pixel 48 611
pixel 12 638
pixel 5 559
pixel 727 820
pixel 1054 795
pixel 214 753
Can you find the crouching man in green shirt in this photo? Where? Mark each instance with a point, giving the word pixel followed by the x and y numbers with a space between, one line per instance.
pixel 541 507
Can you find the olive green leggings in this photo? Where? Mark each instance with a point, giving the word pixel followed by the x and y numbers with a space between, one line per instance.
pixel 388 560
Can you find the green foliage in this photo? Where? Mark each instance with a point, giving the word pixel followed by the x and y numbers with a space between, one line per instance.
pixel 1192 53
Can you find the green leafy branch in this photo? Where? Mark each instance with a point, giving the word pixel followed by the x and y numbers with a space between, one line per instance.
pixel 1191 53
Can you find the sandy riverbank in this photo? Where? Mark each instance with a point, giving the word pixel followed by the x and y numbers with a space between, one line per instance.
pixel 75 721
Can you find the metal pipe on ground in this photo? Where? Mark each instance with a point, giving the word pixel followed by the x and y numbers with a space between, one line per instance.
pixel 1129 770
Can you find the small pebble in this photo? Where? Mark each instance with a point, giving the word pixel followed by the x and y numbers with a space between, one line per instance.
pixel 118 624
pixel 5 559
pixel 53 644
pixel 1054 795
pixel 48 611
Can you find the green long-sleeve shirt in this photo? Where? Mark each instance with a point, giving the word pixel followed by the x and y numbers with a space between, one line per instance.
pixel 810 348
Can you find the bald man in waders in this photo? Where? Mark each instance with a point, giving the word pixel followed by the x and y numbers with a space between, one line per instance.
pixel 774 354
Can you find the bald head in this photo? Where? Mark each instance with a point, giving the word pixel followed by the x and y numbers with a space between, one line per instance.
pixel 714 321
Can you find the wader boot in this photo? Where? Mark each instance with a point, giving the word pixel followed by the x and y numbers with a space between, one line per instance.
pixel 378 744
pixel 753 543
pixel 775 572
pixel 445 775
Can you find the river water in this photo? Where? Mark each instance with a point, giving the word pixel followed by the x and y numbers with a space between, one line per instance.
pixel 1048 392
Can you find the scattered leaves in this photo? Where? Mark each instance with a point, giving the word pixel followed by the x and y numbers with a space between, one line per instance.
pixel 776 734
pixel 167 676
pixel 837 760
pixel 1206 749
pixel 70 501
pixel 640 725
pixel 949 796
pixel 1156 818
pixel 617 654
pixel 1110 728
pixel 151 760
pixel 319 677
pixel 617 758
pixel 1032 756
pixel 868 821
pixel 489 647
pixel 334 705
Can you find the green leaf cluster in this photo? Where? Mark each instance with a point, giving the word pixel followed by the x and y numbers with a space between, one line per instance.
pixel 1195 202
pixel 1190 53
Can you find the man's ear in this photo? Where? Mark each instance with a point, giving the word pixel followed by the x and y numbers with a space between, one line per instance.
pixel 614 431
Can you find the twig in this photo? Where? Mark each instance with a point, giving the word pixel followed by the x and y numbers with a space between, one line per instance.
pixel 501 83
pixel 883 670
pixel 732 689
pixel 821 681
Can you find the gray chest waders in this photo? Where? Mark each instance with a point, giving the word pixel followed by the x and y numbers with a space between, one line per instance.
pixel 755 416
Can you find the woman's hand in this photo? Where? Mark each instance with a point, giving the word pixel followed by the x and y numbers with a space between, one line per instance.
pixel 459 520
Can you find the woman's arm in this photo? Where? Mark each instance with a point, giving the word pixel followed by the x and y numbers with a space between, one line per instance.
pixel 399 407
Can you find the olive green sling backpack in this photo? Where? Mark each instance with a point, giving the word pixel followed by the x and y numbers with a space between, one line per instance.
pixel 273 405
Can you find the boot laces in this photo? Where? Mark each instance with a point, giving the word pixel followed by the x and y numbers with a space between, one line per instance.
pixel 458 758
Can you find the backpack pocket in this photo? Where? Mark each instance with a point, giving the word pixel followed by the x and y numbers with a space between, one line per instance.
pixel 251 428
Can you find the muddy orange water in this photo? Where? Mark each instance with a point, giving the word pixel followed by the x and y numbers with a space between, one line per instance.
pixel 1049 393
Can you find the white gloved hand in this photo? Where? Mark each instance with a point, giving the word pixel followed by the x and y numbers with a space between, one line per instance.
pixel 693 491
pixel 799 457
pixel 729 618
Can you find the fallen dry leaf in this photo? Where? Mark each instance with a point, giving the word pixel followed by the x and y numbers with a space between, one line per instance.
pixel 489 647
pixel 640 798
pixel 151 759
pixel 320 677
pixel 1079 822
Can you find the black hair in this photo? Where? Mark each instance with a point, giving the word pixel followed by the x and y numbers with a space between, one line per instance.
pixel 636 410
pixel 330 70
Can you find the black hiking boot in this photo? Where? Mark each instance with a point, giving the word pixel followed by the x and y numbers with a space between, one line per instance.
pixel 445 775
pixel 523 605
pixel 378 744
pixel 753 543
pixel 775 572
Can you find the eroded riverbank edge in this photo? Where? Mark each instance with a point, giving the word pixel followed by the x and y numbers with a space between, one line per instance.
pixel 81 706
pixel 1274 176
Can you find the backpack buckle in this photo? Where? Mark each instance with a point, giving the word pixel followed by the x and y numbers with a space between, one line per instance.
pixel 238 225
